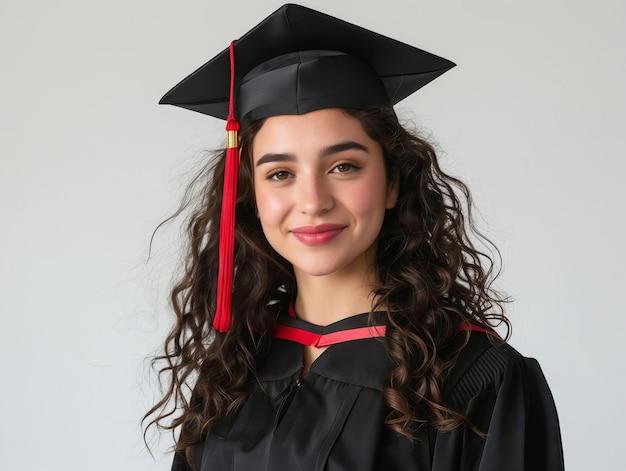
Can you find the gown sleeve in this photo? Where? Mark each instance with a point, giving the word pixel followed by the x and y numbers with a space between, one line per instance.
pixel 505 396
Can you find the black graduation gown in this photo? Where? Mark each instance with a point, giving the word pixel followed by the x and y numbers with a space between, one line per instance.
pixel 333 419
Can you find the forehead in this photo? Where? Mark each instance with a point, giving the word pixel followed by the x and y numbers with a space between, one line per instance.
pixel 309 131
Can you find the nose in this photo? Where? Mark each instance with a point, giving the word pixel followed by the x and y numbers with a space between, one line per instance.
pixel 314 194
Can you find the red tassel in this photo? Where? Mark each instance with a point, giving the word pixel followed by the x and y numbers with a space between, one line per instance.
pixel 223 318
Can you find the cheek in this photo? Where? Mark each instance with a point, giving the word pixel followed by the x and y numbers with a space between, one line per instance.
pixel 371 197
pixel 270 206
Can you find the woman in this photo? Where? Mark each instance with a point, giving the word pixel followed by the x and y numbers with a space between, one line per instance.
pixel 348 325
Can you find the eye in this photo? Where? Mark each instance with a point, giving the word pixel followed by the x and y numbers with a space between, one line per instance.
pixel 279 175
pixel 344 168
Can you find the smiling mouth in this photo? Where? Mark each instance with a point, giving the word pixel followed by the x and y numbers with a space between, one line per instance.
pixel 317 235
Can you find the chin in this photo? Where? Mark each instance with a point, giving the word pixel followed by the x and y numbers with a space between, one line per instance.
pixel 315 270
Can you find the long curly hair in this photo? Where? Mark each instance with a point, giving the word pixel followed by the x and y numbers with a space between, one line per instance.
pixel 432 277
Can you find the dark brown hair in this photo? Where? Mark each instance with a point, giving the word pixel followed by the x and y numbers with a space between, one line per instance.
pixel 431 278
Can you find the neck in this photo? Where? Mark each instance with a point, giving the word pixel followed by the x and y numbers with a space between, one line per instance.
pixel 323 300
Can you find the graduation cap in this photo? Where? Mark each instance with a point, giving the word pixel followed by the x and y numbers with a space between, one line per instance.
pixel 295 61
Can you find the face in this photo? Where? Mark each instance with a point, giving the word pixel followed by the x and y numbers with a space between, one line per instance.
pixel 321 191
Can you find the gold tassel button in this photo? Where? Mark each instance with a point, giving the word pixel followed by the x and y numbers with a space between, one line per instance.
pixel 232 140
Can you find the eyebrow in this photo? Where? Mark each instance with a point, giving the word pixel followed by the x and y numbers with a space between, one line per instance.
pixel 325 152
pixel 341 147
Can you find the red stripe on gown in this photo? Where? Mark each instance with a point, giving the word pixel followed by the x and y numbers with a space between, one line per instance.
pixel 324 340
pixel 313 339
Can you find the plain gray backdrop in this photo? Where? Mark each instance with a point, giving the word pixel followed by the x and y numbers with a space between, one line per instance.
pixel 532 119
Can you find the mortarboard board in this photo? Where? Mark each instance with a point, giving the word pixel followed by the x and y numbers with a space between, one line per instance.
pixel 277 72
pixel 295 61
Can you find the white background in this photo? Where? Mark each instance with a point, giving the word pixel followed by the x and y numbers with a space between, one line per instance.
pixel 532 118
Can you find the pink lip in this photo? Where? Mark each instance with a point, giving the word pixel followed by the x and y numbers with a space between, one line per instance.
pixel 317 235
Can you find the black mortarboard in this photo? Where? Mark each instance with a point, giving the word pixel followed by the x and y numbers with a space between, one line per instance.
pixel 299 60
pixel 295 61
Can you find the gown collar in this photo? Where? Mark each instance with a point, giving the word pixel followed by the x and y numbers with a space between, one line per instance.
pixel 357 353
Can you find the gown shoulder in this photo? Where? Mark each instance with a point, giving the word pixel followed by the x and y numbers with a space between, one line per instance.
pixel 512 419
